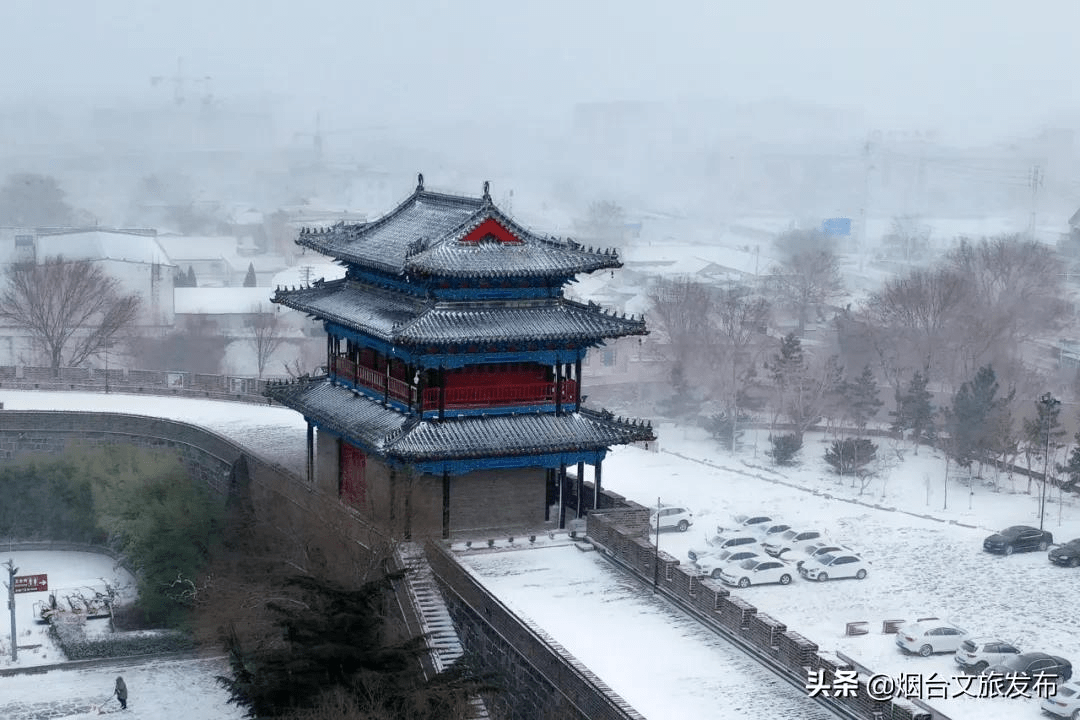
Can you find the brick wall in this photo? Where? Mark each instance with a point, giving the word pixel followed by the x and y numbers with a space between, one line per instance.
pixel 623 536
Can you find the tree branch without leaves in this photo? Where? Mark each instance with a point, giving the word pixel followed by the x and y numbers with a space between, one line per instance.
pixel 71 308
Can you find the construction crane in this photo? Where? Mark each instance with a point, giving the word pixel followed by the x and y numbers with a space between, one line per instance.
pixel 179 80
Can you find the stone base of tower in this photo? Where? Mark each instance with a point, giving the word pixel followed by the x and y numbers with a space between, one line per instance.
pixel 410 505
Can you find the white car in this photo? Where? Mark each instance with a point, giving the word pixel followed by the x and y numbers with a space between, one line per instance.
pixel 834 565
pixel 712 564
pixel 1066 703
pixel 770 531
pixel 929 637
pixel 744 522
pixel 791 540
pixel 756 572
pixel 977 654
pixel 671 516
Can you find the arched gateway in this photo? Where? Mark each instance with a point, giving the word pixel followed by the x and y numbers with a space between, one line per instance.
pixel 452 400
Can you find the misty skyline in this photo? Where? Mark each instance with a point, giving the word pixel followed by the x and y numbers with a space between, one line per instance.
pixel 972 70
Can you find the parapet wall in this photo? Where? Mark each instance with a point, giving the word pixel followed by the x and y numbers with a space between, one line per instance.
pixel 209 457
pixel 540 680
pixel 622 534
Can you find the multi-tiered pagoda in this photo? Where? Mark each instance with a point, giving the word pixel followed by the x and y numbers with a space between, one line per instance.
pixel 452 400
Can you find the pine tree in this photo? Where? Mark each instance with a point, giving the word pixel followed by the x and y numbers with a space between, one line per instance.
pixel 1034 432
pixel 249 279
pixel 784 448
pixel 850 455
pixel 914 411
pixel 1072 467
pixel 334 637
pixel 191 280
pixel 862 399
pixel 971 418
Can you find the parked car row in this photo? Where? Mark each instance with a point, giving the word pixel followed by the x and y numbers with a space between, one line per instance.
pixel 756 549
pixel 1024 538
pixel 992 656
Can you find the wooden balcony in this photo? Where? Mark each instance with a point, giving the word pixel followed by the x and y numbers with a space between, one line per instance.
pixel 482 396
pixel 347 370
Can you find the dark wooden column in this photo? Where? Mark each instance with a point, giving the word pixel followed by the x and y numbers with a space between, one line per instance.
pixel 446 504
pixel 596 481
pixel 393 499
pixel 442 392
pixel 329 353
pixel 386 383
pixel 558 392
pixel 580 489
pixel 562 496
pixel 577 378
pixel 310 453
pixel 549 480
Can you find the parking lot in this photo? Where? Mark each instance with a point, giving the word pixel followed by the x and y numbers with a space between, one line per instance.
pixel 920 566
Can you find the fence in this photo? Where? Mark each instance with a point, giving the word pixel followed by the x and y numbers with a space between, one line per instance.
pixel 148 382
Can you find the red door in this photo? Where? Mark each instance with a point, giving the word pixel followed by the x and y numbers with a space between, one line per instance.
pixel 353 488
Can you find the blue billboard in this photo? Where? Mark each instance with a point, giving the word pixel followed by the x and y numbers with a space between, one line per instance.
pixel 837 227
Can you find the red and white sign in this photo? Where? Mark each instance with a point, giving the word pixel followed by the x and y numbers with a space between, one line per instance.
pixel 31 583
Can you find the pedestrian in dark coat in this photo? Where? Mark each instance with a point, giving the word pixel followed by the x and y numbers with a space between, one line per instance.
pixel 121 693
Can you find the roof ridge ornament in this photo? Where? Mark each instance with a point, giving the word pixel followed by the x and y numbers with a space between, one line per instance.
pixel 487 192
pixel 419 182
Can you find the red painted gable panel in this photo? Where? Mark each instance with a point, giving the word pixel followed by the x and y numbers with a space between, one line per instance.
pixel 490 227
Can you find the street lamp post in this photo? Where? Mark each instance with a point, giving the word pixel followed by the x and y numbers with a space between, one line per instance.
pixel 1049 402
pixel 10 565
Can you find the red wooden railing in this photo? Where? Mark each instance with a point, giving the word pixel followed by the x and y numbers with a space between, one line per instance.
pixel 472 396
pixel 496 395
pixel 346 369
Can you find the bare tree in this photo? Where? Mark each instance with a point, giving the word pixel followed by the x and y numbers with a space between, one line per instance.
pixel 71 308
pixel 1014 293
pixel 916 311
pixel 266 335
pixel 809 275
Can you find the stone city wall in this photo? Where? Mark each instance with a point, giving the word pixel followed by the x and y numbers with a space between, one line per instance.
pixel 540 679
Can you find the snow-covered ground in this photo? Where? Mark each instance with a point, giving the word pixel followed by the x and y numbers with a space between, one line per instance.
pixel 68 573
pixel 925 561
pixel 276 434
pixel 157 690
pixel 657 658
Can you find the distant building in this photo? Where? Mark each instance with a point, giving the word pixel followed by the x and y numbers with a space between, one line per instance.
pixel 134 257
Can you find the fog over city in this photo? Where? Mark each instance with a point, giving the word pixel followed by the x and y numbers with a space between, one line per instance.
pixel 656 103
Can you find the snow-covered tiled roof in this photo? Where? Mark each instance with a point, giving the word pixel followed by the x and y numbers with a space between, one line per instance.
pixel 102 245
pixel 428 234
pixel 403 438
pixel 401 319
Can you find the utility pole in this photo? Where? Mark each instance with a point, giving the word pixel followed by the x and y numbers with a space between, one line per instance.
pixel 865 201
pixel 1049 402
pixel 1035 181
pixel 10 565
pixel 656 554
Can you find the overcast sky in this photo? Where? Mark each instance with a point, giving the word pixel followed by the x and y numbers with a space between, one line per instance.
pixel 959 65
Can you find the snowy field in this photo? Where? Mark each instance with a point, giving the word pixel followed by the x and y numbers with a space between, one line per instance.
pixel 67 572
pixel 276 434
pixel 923 564
pixel 157 690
